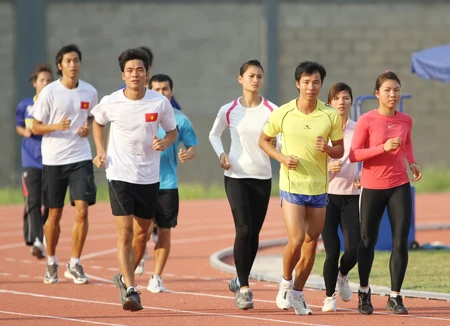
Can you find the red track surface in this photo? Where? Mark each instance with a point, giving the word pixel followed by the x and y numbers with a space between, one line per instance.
pixel 198 293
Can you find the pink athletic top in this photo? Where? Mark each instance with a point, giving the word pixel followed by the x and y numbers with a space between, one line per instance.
pixel 343 183
pixel 382 170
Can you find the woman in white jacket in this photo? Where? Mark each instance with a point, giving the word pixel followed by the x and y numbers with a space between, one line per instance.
pixel 247 172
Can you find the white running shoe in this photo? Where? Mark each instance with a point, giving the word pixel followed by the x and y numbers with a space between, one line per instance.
pixel 155 284
pixel 344 290
pixel 140 268
pixel 284 295
pixel 299 303
pixel 329 304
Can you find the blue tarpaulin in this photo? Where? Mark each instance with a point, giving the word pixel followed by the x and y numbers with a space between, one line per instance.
pixel 432 63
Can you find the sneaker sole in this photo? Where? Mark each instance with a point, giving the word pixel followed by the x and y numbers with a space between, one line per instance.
pixel 303 314
pixel 132 306
pixel 345 299
pixel 156 291
pixel 396 313
pixel 51 281
pixel 328 310
pixel 365 312
pixel 283 306
pixel 75 280
pixel 246 307
pixel 119 285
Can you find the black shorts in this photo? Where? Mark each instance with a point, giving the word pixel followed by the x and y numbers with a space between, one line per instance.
pixel 166 216
pixel 79 177
pixel 133 199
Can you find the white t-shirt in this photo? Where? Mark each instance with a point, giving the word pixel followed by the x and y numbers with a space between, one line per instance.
pixel 247 159
pixel 55 101
pixel 131 157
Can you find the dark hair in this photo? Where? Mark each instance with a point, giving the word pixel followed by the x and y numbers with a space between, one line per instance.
pixel 149 53
pixel 388 75
pixel 336 89
pixel 133 54
pixel 43 67
pixel 64 50
pixel 307 68
pixel 160 78
pixel 254 63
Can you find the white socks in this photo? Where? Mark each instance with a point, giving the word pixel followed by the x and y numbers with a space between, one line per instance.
pixel 364 289
pixel 73 262
pixel 51 260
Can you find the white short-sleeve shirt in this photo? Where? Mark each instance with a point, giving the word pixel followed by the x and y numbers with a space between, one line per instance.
pixel 134 123
pixel 55 101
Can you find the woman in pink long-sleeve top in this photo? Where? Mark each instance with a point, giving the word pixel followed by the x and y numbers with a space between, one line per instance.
pixel 382 141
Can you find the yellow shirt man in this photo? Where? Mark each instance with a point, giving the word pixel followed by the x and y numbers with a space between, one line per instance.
pixel 298 135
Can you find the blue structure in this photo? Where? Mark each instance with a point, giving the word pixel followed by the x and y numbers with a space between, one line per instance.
pixel 432 63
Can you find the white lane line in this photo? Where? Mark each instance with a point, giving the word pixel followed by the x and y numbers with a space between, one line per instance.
pixel 273 302
pixel 59 318
pixel 158 308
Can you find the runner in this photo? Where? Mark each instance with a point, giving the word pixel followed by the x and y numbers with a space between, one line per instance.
pixel 382 141
pixel 306 125
pixel 247 172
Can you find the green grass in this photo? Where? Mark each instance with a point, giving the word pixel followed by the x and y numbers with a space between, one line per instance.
pixel 11 196
pixel 428 270
pixel 433 180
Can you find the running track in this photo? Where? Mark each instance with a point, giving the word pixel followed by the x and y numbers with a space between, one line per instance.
pixel 198 293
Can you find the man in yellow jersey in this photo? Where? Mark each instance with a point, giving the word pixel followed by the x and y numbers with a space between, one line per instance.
pixel 306 125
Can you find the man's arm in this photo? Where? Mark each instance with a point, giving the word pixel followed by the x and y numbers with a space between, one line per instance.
pixel 24 132
pixel 41 129
pixel 187 155
pixel 98 132
pixel 290 161
pixel 162 144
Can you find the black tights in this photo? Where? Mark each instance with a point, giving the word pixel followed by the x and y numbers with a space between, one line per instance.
pixel 342 211
pixel 398 201
pixel 249 199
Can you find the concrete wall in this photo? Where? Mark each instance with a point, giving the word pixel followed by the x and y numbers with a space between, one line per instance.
pixel 9 140
pixel 202 45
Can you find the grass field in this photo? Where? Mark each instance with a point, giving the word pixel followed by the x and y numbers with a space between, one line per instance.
pixel 419 275
pixel 434 180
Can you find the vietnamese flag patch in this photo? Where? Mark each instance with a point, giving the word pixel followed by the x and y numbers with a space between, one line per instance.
pixel 150 117
pixel 84 105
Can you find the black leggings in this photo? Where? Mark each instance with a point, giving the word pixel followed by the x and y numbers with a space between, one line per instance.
pixel 342 211
pixel 398 201
pixel 33 216
pixel 248 200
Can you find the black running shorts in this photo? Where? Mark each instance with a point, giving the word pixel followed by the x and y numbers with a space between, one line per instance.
pixel 166 216
pixel 79 177
pixel 133 199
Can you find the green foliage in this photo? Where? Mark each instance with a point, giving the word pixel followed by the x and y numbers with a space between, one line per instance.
pixel 418 276
pixel 434 180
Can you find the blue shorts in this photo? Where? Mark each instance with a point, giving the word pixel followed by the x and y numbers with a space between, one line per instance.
pixel 315 201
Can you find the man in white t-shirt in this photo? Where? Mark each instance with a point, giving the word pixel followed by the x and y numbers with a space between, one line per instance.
pixel 132 162
pixel 62 114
